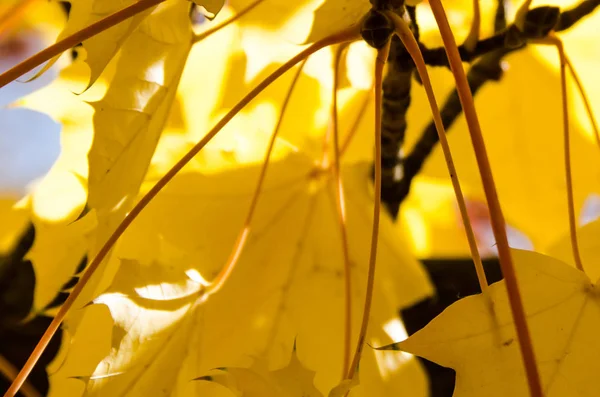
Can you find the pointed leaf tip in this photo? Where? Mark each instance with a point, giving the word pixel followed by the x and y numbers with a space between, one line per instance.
pixel 392 346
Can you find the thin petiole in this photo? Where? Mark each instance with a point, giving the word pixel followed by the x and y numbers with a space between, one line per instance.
pixel 382 56
pixel 201 36
pixel 584 97
pixel 346 35
pixel 74 39
pixel 489 187
pixel 411 45
pixel 224 274
pixel 341 213
pixel 553 40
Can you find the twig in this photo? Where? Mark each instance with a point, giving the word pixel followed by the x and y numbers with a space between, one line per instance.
pixel 571 17
pixel 396 101
pixel 487 68
pixel 566 19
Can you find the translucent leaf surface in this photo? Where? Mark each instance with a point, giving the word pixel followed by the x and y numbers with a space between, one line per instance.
pixel 293 380
pixel 58 249
pixel 130 118
pixel 561 304
pixel 288 284
pixel 101 48
pixel 335 15
pixel 525 128
pixel 589 247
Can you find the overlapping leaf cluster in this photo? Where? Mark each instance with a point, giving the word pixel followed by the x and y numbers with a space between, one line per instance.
pixel 288 285
pixel 144 326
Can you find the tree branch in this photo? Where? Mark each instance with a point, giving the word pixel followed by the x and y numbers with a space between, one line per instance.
pixel 500 40
pixel 490 52
pixel 571 17
pixel 396 101
pixel 437 56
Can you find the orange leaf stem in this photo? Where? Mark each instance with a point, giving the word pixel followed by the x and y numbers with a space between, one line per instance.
pixel 496 215
pixel 380 61
pixel 411 45
pixel 553 40
pixel 224 274
pixel 201 36
pixel 584 97
pixel 341 212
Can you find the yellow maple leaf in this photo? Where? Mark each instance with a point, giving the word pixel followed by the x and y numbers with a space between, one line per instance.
pixel 333 16
pixel 287 285
pixel 13 221
pixel 156 298
pixel 589 246
pixel 290 20
pixel 294 380
pixel 30 143
pixel 58 249
pixel 531 186
pixel 129 119
pixel 561 304
pixel 100 49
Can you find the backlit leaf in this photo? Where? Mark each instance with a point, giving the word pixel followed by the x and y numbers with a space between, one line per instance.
pixel 336 15
pixel 101 48
pixel 293 380
pixel 589 247
pixel 523 134
pixel 287 286
pixel 561 304
pixel 130 118
pixel 58 248
pixel 14 221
